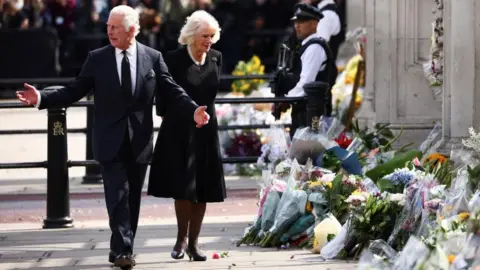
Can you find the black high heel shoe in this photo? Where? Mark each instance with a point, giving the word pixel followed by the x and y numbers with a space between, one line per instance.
pixel 177 255
pixel 195 255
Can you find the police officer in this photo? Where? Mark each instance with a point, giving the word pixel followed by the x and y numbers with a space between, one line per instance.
pixel 313 61
pixel 332 26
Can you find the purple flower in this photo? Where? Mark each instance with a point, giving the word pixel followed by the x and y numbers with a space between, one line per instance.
pixel 401 176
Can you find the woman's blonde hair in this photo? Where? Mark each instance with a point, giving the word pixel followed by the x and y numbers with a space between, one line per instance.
pixel 194 23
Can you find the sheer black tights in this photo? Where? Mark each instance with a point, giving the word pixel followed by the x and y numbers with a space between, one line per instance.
pixel 189 223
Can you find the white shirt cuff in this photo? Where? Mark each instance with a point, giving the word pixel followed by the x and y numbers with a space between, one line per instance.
pixel 295 93
pixel 39 99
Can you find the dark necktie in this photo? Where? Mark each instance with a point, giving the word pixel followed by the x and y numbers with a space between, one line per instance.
pixel 126 78
pixel 133 123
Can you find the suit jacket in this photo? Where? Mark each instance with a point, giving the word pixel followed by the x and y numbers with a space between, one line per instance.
pixel 111 110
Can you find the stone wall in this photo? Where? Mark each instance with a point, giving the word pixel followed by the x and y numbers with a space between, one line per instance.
pixel 461 99
pixel 398 44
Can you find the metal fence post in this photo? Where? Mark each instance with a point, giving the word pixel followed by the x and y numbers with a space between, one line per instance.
pixel 58 194
pixel 316 93
pixel 93 173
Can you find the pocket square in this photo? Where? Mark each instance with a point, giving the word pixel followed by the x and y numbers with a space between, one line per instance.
pixel 150 74
pixel 214 59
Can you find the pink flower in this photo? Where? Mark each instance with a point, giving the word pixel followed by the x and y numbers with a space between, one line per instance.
pixel 416 162
pixel 262 200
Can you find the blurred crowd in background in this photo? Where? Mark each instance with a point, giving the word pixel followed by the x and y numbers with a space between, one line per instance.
pixel 249 27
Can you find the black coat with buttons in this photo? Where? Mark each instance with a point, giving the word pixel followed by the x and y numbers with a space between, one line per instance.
pixel 187 161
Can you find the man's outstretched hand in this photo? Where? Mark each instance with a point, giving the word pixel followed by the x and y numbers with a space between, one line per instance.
pixel 28 96
pixel 201 117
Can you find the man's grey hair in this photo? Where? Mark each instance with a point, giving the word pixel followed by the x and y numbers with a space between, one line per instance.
pixel 130 17
pixel 194 23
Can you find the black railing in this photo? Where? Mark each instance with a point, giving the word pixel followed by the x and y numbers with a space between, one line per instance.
pixel 16 82
pixel 58 164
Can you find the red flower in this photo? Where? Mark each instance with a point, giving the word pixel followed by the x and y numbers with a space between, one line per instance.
pixel 299 240
pixel 317 174
pixel 343 140
pixel 245 144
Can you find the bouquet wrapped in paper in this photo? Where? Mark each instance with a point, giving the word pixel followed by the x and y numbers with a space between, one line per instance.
pixel 263 221
pixel 321 147
pixel 275 148
pixel 290 208
pixel 378 256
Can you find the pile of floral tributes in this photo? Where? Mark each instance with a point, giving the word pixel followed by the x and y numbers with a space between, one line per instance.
pixel 351 193
pixel 360 198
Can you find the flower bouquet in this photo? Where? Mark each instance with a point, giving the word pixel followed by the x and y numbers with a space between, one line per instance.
pixel 371 219
pixel 252 67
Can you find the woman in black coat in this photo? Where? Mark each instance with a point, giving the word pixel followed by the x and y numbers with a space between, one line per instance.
pixel 187 163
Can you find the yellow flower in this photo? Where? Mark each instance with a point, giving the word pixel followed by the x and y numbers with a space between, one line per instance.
pixel 314 184
pixel 245 87
pixel 328 184
pixel 357 192
pixel 436 157
pixel 255 61
pixel 351 70
pixel 309 207
pixel 463 216
pixel 451 258
pixel 238 73
pixel 253 66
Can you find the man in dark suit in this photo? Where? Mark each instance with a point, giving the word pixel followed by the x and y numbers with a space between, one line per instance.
pixel 124 76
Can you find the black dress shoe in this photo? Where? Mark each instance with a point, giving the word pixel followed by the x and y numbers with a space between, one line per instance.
pixel 111 257
pixel 124 262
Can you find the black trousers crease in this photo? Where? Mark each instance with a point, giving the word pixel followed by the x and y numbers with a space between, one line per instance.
pixel 123 180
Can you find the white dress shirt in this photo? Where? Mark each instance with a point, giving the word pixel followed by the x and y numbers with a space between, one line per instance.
pixel 330 24
pixel 313 59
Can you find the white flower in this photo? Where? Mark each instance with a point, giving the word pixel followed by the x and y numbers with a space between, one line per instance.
pixel 352 180
pixel 379 258
pixel 474 140
pixel 357 198
pixel 397 198
pixel 328 177
pixel 438 191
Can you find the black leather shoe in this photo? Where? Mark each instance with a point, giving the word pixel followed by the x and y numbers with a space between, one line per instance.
pixel 111 257
pixel 124 262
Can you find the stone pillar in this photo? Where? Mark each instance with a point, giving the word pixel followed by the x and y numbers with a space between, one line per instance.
pixel 459 94
pixel 357 11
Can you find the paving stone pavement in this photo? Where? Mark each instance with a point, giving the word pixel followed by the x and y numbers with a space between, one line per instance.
pixel 26 246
